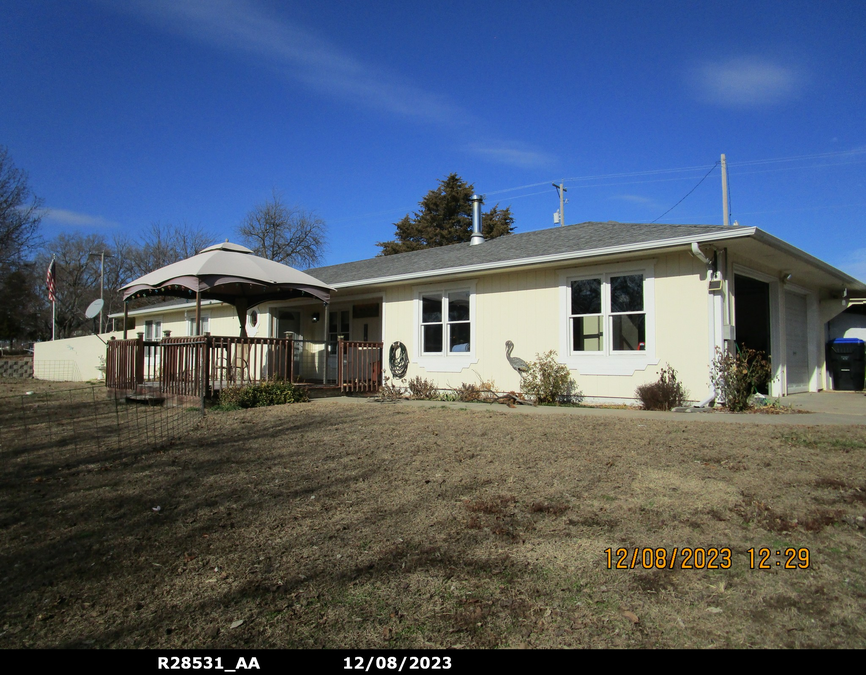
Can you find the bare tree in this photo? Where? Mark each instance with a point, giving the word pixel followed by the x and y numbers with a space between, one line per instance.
pixel 19 215
pixel 287 234
pixel 161 245
pixel 78 277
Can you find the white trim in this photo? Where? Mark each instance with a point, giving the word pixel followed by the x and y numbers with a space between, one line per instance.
pixel 448 362
pixel 776 386
pixel 159 309
pixel 608 362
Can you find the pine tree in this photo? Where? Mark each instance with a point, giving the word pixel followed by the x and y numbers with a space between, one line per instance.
pixel 446 218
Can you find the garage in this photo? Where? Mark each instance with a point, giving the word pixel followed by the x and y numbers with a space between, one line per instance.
pixel 796 343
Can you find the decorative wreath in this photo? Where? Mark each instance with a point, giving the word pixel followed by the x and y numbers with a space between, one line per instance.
pixel 398 359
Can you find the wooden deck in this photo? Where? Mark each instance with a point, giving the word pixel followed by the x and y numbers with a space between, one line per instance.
pixel 195 368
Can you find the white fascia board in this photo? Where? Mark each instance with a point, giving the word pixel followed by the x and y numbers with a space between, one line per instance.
pixel 553 258
pixel 160 309
pixel 790 249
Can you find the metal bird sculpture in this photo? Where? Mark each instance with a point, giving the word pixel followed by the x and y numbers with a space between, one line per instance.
pixel 517 363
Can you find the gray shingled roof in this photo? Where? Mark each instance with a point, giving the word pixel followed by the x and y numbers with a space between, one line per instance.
pixel 573 238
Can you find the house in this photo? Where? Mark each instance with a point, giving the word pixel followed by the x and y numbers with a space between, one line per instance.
pixel 616 301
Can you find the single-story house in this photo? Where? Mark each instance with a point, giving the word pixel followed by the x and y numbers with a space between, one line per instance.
pixel 616 301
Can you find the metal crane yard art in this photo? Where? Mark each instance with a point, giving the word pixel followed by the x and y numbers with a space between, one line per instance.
pixel 516 362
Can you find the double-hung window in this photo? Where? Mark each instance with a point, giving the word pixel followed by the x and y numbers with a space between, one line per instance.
pixel 607 314
pixel 445 323
pixel 608 318
pixel 445 318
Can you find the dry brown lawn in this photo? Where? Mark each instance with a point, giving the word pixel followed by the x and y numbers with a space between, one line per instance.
pixel 373 525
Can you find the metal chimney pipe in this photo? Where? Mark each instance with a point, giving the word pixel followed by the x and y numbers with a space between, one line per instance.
pixel 476 237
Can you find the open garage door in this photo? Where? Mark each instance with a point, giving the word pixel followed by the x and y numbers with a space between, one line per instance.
pixel 796 343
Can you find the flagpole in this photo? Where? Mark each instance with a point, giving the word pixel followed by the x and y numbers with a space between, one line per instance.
pixel 51 283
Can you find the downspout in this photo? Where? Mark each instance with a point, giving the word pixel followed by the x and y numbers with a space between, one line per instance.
pixel 716 312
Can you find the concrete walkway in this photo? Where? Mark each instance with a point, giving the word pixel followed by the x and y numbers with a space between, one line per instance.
pixel 834 407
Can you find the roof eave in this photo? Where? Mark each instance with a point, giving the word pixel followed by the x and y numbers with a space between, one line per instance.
pixel 789 249
pixel 552 258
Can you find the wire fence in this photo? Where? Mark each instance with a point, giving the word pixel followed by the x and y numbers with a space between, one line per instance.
pixel 84 420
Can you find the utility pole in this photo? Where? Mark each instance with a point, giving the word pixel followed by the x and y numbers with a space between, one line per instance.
pixel 561 189
pixel 727 216
pixel 102 257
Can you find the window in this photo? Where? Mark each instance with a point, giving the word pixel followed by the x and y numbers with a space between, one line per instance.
pixel 445 322
pixel 611 302
pixel 444 319
pixel 153 330
pixel 190 324
pixel 608 318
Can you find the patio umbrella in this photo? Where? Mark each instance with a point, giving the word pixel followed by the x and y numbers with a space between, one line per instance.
pixel 229 273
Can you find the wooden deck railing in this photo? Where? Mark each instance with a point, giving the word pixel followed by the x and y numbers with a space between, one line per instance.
pixel 359 366
pixel 192 366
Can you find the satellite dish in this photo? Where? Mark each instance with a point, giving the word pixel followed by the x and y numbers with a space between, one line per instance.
pixel 94 308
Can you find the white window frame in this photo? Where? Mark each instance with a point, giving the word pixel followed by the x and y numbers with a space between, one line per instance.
pixel 155 329
pixel 608 361
pixel 445 361
pixel 190 323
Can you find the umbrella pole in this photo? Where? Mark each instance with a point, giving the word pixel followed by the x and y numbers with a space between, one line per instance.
pixel 198 313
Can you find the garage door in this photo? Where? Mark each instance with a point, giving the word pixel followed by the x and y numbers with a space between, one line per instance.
pixel 797 356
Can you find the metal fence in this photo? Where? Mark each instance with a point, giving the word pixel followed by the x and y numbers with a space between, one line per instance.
pixel 83 420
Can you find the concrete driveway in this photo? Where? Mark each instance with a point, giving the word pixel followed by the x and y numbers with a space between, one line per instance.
pixel 845 403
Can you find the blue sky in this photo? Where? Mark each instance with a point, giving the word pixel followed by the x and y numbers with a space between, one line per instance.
pixel 173 111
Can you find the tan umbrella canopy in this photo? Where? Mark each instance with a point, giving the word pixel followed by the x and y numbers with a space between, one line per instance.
pixel 229 273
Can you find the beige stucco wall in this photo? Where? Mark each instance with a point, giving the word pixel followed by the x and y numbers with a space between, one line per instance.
pixel 526 307
pixel 71 360
pixel 223 320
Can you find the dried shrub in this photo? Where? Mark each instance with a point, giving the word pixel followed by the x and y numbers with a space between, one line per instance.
pixel 549 382
pixel 736 377
pixel 665 394
pixel 485 392
pixel 390 391
pixel 422 389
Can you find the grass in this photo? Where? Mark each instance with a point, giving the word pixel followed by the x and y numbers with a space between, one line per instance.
pixel 360 525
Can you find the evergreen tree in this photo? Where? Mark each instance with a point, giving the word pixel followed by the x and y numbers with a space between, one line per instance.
pixel 446 218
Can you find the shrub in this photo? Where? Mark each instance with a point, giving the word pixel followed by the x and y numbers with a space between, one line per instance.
pixel 736 377
pixel 390 391
pixel 549 382
pixel 422 389
pixel 484 392
pixel 260 395
pixel 665 394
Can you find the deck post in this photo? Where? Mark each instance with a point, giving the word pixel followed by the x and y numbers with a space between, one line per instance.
pixel 340 362
pixel 139 360
pixel 290 359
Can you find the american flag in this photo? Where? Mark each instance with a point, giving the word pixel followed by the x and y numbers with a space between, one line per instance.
pixel 50 281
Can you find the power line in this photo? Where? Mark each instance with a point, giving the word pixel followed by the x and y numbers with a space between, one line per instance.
pixel 687 194
pixel 651 172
